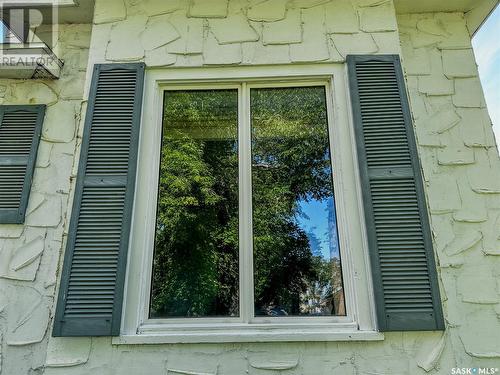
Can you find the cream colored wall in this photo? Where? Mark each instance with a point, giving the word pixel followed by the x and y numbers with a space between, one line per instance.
pixel 460 163
pixel 462 173
pixel 29 254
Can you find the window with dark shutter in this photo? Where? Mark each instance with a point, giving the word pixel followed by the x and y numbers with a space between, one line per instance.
pixel 20 129
pixel 399 236
pixel 92 281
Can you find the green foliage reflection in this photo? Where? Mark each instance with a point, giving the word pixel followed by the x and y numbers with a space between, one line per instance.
pixel 195 271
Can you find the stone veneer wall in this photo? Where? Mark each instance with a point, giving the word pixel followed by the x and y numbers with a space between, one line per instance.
pixel 460 163
pixel 462 172
pixel 29 253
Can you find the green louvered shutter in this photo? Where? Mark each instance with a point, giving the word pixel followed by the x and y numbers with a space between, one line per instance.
pixel 20 129
pixel 92 280
pixel 399 236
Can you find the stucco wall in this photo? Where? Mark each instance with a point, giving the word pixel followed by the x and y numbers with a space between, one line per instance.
pixel 29 254
pixel 460 163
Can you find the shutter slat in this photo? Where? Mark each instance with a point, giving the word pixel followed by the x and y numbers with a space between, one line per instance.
pixel 400 245
pixel 20 129
pixel 91 292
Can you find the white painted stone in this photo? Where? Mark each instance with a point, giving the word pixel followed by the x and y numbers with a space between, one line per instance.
pixel 27 254
pixel 156 7
pixel 71 86
pixel 378 18
pixel 435 84
pixel 443 194
pixel 76 59
pixel 60 122
pixel 27 316
pixel 306 3
pixel 491 230
pixel 68 351
pixel 160 57
pixel 473 208
pixel 421 39
pixel 457 34
pixel 427 138
pixel 273 365
pixel 256 53
pixel 474 126
pixel 158 32
pixel 459 63
pixel 354 44
pixel 191 31
pixel 341 18
pixel 335 55
pixel 432 26
pixel 100 41
pixel 463 241
pixel 124 40
pixel 30 92
pixel 468 93
pixel 43 210
pixel 216 54
pixel 387 43
pixel 430 351
pixel 287 31
pixel 418 103
pixel 484 177
pixel 452 155
pixel 75 36
pixel 486 294
pixel 193 60
pixel 55 178
pixel 237 6
pixel 314 46
pixel 442 120
pixel 107 11
pixel 481 340
pixel 11 230
pixel 416 60
pixel 268 10
pixel 233 29
pixel 369 3
pixel 208 8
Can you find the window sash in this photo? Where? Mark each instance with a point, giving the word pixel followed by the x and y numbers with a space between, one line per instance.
pixel 246 249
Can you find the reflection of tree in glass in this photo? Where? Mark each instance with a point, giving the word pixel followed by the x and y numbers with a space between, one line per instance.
pixel 195 271
pixel 291 165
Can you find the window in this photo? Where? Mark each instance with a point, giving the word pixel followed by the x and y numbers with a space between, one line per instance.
pixel 296 259
pixel 250 189
pixel 240 223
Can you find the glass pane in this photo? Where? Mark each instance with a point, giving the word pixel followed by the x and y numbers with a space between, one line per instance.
pixel 195 267
pixel 296 249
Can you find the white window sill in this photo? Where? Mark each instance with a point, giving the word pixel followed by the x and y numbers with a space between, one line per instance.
pixel 228 335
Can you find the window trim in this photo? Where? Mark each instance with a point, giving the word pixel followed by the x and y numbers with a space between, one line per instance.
pixel 357 280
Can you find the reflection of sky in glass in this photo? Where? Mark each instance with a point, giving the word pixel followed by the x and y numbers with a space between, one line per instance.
pixel 319 221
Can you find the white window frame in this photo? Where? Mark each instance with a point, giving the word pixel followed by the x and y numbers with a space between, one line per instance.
pixel 359 324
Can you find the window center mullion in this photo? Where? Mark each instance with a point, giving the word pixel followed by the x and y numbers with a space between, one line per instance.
pixel 245 206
